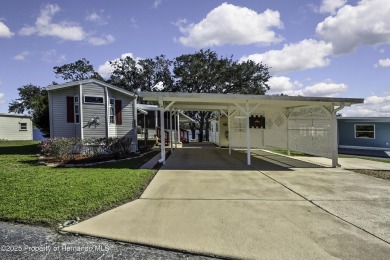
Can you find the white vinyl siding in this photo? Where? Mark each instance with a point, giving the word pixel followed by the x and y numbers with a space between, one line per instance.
pixel 15 128
pixel 126 128
pixel 58 113
pixel 94 110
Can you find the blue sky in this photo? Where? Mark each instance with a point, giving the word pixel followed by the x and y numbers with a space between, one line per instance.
pixel 337 48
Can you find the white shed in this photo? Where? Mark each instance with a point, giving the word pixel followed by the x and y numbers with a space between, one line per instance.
pixel 15 127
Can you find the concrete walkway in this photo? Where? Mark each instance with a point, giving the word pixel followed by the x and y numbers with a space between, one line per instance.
pixel 205 201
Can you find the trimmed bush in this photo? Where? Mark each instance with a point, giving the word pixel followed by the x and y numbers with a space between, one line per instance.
pixel 65 149
pixel 61 148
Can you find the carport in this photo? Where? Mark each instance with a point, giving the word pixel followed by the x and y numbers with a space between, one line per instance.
pixel 305 124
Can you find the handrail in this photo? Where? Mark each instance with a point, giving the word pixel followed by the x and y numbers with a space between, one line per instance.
pixel 158 134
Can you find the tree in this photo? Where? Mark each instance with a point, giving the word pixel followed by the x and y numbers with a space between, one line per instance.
pixel 79 70
pixel 34 101
pixel 201 72
pixel 247 77
pixel 144 73
pixel 206 72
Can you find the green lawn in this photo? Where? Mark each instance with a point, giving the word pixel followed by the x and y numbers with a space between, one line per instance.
pixel 36 194
pixel 376 159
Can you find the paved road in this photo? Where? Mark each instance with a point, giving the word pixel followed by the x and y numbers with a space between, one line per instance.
pixel 27 242
pixel 208 202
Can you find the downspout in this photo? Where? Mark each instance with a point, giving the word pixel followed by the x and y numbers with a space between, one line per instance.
pixel 335 152
pixel 107 110
pixel 81 112
pixel 171 131
pixel 135 128
pixel 248 135
pixel 50 114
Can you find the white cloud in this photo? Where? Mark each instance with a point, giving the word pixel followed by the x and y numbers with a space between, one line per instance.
pixel 157 3
pixel 2 98
pixel 331 6
pixel 51 56
pixel 5 32
pixel 373 106
pixel 325 89
pixel 104 40
pixel 44 26
pixel 230 24
pixel 377 100
pixel 366 23
pixel 284 85
pixel 105 70
pixel 22 56
pixel 99 19
pixel 133 22
pixel 306 54
pixel 383 63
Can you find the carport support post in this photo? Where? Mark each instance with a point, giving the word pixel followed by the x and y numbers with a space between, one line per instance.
pixel 335 143
pixel 335 150
pixel 176 127
pixel 248 136
pixel 162 135
pixel 229 132
pixel 171 131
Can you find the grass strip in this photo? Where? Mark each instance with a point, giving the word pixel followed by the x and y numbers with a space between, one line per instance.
pixel 37 194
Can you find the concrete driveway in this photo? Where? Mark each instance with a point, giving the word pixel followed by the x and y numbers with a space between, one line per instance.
pixel 205 201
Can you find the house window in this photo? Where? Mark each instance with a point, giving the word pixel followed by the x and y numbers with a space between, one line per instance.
pixel 112 111
pixel 365 131
pixel 76 110
pixel 93 99
pixel 22 126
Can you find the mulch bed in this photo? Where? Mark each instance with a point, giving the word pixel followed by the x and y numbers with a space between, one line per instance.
pixel 375 173
pixel 87 160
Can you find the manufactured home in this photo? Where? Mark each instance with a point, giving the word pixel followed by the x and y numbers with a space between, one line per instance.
pixel 364 136
pixel 91 108
pixel 15 127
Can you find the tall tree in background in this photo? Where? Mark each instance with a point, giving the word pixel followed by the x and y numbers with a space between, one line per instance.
pixel 79 70
pixel 131 74
pixel 206 72
pixel 201 72
pixel 33 100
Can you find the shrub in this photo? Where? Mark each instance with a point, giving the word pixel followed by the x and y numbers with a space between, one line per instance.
pixel 61 148
pixel 119 147
pixel 95 146
pixel 65 149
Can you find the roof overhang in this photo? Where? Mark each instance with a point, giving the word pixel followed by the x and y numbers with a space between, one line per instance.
pixel 364 119
pixel 87 81
pixel 15 115
pixel 213 101
pixel 183 117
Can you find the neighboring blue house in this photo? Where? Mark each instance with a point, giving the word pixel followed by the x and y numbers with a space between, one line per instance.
pixel 364 136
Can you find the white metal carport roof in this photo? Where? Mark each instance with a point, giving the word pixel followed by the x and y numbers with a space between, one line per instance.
pixel 246 104
pixel 213 101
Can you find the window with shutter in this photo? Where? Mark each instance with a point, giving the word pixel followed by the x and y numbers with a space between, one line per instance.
pixel 118 111
pixel 70 109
